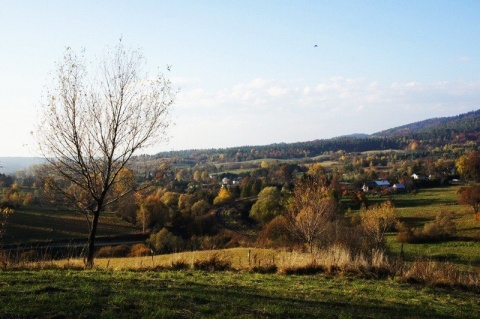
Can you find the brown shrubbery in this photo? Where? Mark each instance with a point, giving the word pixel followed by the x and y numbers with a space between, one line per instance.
pixel 113 251
pixel 441 229
pixel 214 263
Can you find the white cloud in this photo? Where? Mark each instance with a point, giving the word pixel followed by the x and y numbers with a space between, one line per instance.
pixel 277 91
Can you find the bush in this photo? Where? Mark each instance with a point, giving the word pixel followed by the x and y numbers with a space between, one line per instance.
pixel 212 264
pixel 139 250
pixel 441 229
pixel 269 269
pixel 310 269
pixel 165 242
pixel 113 251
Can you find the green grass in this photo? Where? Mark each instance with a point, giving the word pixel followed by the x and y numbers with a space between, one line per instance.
pixel 459 252
pixel 196 294
pixel 417 210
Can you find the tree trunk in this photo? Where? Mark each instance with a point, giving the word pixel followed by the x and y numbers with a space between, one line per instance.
pixel 91 240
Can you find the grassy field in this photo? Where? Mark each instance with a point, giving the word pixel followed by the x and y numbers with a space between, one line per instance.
pixel 45 223
pixel 417 210
pixel 198 294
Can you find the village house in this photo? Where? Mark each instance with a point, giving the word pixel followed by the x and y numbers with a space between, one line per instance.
pixel 419 177
pixel 371 185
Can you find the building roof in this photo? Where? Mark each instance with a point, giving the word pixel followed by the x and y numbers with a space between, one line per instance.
pixel 382 183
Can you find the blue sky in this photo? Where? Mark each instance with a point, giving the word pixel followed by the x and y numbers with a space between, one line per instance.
pixel 248 71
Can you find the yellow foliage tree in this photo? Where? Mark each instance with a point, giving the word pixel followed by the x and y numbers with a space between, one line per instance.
pixel 5 212
pixel 377 220
pixel 461 164
pixel 224 196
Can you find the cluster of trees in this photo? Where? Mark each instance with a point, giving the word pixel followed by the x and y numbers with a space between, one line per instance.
pixel 92 126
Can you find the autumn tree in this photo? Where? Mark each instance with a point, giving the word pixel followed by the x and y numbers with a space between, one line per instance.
pixel 152 212
pixel 200 208
pixel 224 196
pixel 186 202
pixel 470 195
pixel 5 212
pixel 166 242
pixel 377 220
pixel 126 205
pixel 94 121
pixel 311 210
pixel 469 166
pixel 268 205
pixel 13 196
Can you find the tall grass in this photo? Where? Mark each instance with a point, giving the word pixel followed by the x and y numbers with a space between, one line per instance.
pixel 334 261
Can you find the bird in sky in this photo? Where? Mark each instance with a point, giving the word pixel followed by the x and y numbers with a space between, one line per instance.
pixel 315 46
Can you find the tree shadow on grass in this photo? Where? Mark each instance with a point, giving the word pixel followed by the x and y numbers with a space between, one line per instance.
pixel 170 295
pixel 414 221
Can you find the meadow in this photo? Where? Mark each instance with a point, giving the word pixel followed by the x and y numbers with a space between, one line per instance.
pixel 42 223
pixel 200 294
pixel 436 280
pixel 416 210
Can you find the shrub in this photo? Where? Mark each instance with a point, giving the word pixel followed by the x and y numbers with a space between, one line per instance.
pixel 310 269
pixel 212 264
pixel 268 269
pixel 165 242
pixel 442 228
pixel 113 251
pixel 139 250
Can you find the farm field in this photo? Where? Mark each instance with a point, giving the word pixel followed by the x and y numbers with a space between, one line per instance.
pixel 199 294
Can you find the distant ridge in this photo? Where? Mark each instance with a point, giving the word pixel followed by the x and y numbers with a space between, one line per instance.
pixel 354 135
pixel 9 165
pixel 432 132
pixel 438 127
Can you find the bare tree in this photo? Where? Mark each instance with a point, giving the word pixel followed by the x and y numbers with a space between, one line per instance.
pixel 311 210
pixel 92 125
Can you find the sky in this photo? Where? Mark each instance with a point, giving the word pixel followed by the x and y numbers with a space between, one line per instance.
pixel 255 72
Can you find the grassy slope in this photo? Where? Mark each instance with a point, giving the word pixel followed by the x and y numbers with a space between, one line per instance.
pixel 187 294
pixel 42 223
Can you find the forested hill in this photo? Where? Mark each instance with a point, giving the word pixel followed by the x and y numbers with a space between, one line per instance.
pixel 430 134
pixel 439 128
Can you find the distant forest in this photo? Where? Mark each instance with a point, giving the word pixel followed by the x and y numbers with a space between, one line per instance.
pixel 431 135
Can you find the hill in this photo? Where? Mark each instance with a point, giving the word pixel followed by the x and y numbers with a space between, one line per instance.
pixel 441 127
pixel 431 133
